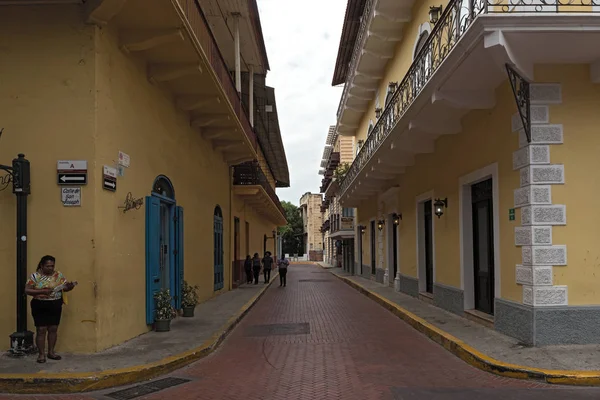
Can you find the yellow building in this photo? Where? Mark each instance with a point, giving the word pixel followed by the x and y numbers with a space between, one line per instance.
pixel 338 221
pixel 479 123
pixel 312 220
pixel 168 96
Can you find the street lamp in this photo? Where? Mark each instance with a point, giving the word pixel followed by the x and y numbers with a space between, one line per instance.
pixel 439 205
pixel 380 224
pixel 397 218
pixel 21 341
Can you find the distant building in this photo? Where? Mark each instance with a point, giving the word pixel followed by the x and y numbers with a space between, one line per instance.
pixel 310 207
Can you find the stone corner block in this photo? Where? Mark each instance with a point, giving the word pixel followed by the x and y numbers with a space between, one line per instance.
pixel 555 214
pixel 545 93
pixel 542 134
pixel 537 276
pixel 533 194
pixel 533 154
pixel 544 255
pixel 533 235
pixel 550 174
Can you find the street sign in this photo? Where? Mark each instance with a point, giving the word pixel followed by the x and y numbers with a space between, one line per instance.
pixel 71 172
pixel 71 196
pixel 109 178
pixel 72 179
pixel 124 159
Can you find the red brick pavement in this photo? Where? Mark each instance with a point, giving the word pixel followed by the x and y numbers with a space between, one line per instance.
pixel 355 350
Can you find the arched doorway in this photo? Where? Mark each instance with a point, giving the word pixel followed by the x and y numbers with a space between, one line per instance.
pixel 219 274
pixel 164 244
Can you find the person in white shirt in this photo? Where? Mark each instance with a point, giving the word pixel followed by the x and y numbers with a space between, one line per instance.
pixel 283 264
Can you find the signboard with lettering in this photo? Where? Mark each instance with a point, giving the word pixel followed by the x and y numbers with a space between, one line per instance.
pixel 109 178
pixel 347 223
pixel 71 172
pixel 70 196
pixel 124 159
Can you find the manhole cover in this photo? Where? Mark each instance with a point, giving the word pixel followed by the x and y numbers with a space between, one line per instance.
pixel 315 280
pixel 146 388
pixel 302 328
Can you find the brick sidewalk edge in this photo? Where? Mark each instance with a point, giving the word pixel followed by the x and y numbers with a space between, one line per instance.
pixel 60 383
pixel 474 357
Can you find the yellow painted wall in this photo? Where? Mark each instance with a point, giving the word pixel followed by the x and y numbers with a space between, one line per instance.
pixel 579 115
pixel 47 110
pixel 259 226
pixel 136 117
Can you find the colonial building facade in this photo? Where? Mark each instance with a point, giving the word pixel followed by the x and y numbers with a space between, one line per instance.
pixel 478 120
pixel 338 221
pixel 157 116
pixel 312 220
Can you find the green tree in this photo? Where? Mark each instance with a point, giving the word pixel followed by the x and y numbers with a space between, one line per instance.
pixel 292 233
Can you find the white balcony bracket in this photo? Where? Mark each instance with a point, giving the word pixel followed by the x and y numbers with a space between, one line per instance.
pixel 385 37
pixel 201 122
pixel 170 72
pixel 389 169
pixel 405 17
pixel 362 98
pixel 400 159
pixel 502 53
pixel 100 12
pixel 215 133
pixel 417 144
pixel 595 72
pixel 466 100
pixel 382 56
pixel 436 127
pixel 144 40
pixel 363 87
pixel 191 103
pixel 224 145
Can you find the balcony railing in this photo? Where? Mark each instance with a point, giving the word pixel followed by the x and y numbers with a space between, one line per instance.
pixel 200 27
pixel 456 19
pixel 251 173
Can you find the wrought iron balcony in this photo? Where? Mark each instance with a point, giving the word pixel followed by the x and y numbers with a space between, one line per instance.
pixel 200 27
pixel 455 21
pixel 251 174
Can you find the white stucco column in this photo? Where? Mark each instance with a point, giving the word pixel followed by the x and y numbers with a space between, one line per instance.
pixel 251 95
pixel 238 71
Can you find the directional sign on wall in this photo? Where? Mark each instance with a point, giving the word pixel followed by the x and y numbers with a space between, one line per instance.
pixel 71 172
pixel 109 178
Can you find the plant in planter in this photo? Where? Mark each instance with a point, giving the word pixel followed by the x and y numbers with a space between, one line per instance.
pixel 341 171
pixel 164 311
pixel 189 299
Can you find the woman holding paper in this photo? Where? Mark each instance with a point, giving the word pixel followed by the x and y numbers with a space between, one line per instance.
pixel 46 286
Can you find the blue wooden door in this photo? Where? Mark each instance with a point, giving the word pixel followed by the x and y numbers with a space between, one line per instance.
pixel 178 256
pixel 153 281
pixel 218 256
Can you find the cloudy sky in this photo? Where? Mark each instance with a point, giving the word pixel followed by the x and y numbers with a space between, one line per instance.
pixel 302 39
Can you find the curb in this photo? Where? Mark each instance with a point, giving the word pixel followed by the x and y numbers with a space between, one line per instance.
pixel 62 383
pixel 474 357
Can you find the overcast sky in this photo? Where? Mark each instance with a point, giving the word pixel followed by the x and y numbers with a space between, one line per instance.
pixel 302 39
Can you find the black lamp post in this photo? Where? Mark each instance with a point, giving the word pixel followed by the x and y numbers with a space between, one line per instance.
pixel 21 341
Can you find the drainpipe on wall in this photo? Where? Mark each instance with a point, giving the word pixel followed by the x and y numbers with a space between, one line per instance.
pixel 231 233
pixel 251 96
pixel 238 72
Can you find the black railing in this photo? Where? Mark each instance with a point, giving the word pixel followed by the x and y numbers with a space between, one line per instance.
pixel 251 174
pixel 455 20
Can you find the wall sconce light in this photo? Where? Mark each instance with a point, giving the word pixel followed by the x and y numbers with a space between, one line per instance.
pixel 380 224
pixel 438 206
pixel 397 218
pixel 378 113
pixel 435 13
pixel 362 229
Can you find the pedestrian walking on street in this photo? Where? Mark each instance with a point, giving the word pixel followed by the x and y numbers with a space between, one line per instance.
pixel 46 286
pixel 283 264
pixel 256 267
pixel 248 269
pixel 267 262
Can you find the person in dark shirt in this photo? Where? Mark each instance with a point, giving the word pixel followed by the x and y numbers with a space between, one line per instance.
pixel 256 267
pixel 248 269
pixel 267 262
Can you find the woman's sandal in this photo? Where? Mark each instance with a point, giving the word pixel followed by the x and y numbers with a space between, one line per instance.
pixel 41 360
pixel 55 357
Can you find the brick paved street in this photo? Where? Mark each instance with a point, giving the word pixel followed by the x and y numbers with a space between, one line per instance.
pixel 354 349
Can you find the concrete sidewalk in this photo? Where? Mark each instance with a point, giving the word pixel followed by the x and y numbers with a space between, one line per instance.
pixel 483 347
pixel 144 357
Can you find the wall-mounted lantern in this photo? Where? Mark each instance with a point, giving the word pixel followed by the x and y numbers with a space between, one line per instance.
pixel 397 218
pixel 434 13
pixel 380 224
pixel 361 228
pixel 439 205
pixel 378 112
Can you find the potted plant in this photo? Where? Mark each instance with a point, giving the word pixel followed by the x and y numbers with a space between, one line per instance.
pixel 164 311
pixel 189 299
pixel 341 171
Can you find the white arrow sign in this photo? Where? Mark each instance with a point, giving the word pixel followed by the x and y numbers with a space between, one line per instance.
pixel 108 183
pixel 72 178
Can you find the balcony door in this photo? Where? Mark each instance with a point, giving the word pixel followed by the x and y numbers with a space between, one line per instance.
pixel 373 247
pixel 219 275
pixel 483 245
pixel 428 223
